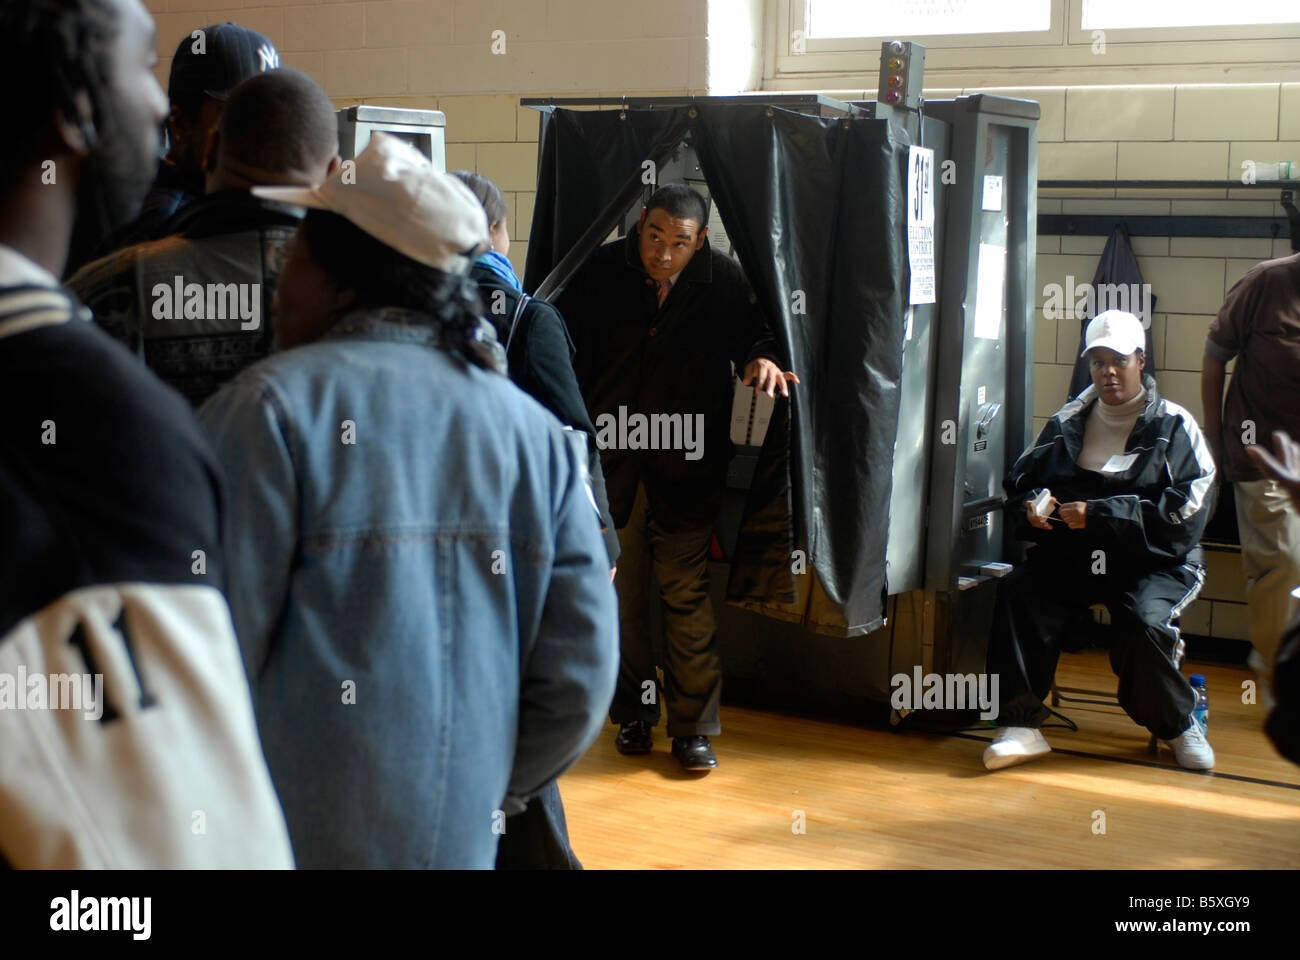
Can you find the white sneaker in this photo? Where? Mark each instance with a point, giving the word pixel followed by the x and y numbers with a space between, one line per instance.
pixel 1191 749
pixel 1012 745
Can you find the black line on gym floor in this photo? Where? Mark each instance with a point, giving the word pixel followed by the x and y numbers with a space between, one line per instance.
pixel 1149 763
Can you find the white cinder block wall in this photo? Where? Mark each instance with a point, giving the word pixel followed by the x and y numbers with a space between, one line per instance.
pixel 438 54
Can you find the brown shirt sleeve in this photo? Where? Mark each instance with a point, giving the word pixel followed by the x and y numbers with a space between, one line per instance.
pixel 1230 330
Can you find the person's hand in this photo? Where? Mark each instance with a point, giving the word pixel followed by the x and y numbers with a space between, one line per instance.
pixel 1042 523
pixel 1075 514
pixel 1285 467
pixel 767 377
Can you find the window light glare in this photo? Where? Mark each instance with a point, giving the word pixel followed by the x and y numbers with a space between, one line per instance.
pixel 829 19
pixel 1124 14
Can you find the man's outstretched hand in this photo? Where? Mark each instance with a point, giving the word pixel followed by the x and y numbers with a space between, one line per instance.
pixel 1285 467
pixel 767 377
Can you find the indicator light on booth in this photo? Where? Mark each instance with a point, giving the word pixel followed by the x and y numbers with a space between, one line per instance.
pixel 902 66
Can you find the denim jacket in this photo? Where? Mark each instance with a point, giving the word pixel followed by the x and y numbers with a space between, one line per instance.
pixel 420 589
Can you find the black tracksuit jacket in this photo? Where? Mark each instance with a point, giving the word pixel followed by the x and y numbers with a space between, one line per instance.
pixel 1149 514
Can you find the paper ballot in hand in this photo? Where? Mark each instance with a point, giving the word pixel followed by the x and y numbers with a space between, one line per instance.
pixel 1042 504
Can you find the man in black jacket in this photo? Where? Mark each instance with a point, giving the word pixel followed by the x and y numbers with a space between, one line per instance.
pixel 1133 479
pixel 659 319
pixel 112 568
pixel 196 307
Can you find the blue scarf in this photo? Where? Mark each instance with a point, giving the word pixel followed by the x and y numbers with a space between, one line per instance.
pixel 502 267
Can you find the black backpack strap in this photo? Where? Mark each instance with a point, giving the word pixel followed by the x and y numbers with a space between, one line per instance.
pixel 520 305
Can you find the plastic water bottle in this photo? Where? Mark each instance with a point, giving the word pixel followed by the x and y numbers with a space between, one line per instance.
pixel 1201 712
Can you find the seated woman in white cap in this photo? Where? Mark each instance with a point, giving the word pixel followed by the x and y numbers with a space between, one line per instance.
pixel 419 583
pixel 1114 494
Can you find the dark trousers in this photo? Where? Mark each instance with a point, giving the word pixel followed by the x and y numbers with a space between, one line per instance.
pixel 692 669
pixel 538 838
pixel 1034 603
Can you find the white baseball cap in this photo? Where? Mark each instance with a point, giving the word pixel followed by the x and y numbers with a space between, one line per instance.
pixel 1116 330
pixel 395 195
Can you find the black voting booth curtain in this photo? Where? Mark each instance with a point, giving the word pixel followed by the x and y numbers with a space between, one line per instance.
pixel 815 208
pixel 590 159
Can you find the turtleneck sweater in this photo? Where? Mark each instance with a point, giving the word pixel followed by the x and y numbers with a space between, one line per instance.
pixel 1108 429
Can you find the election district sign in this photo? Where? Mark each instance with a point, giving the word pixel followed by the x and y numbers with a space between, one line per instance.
pixel 920 224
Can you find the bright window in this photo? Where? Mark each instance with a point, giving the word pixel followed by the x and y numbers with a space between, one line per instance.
pixel 1125 14
pixel 828 19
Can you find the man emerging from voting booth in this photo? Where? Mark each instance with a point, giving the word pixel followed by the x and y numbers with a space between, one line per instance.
pixel 658 320
pixel 1114 495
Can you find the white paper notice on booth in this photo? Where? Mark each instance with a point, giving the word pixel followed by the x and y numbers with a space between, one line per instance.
pixel 990 278
pixel 920 224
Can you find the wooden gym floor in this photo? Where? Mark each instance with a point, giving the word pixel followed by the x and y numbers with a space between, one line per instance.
pixel 875 798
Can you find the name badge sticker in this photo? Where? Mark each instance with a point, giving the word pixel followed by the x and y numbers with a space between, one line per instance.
pixel 1118 464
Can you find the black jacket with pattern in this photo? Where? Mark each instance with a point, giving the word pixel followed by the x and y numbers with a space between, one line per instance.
pixel 227 241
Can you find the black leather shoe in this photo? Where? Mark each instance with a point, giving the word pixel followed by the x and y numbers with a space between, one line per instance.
pixel 694 753
pixel 633 738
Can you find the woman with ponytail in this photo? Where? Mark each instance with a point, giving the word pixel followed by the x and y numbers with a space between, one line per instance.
pixel 418 579
pixel 539 358
pixel 540 351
